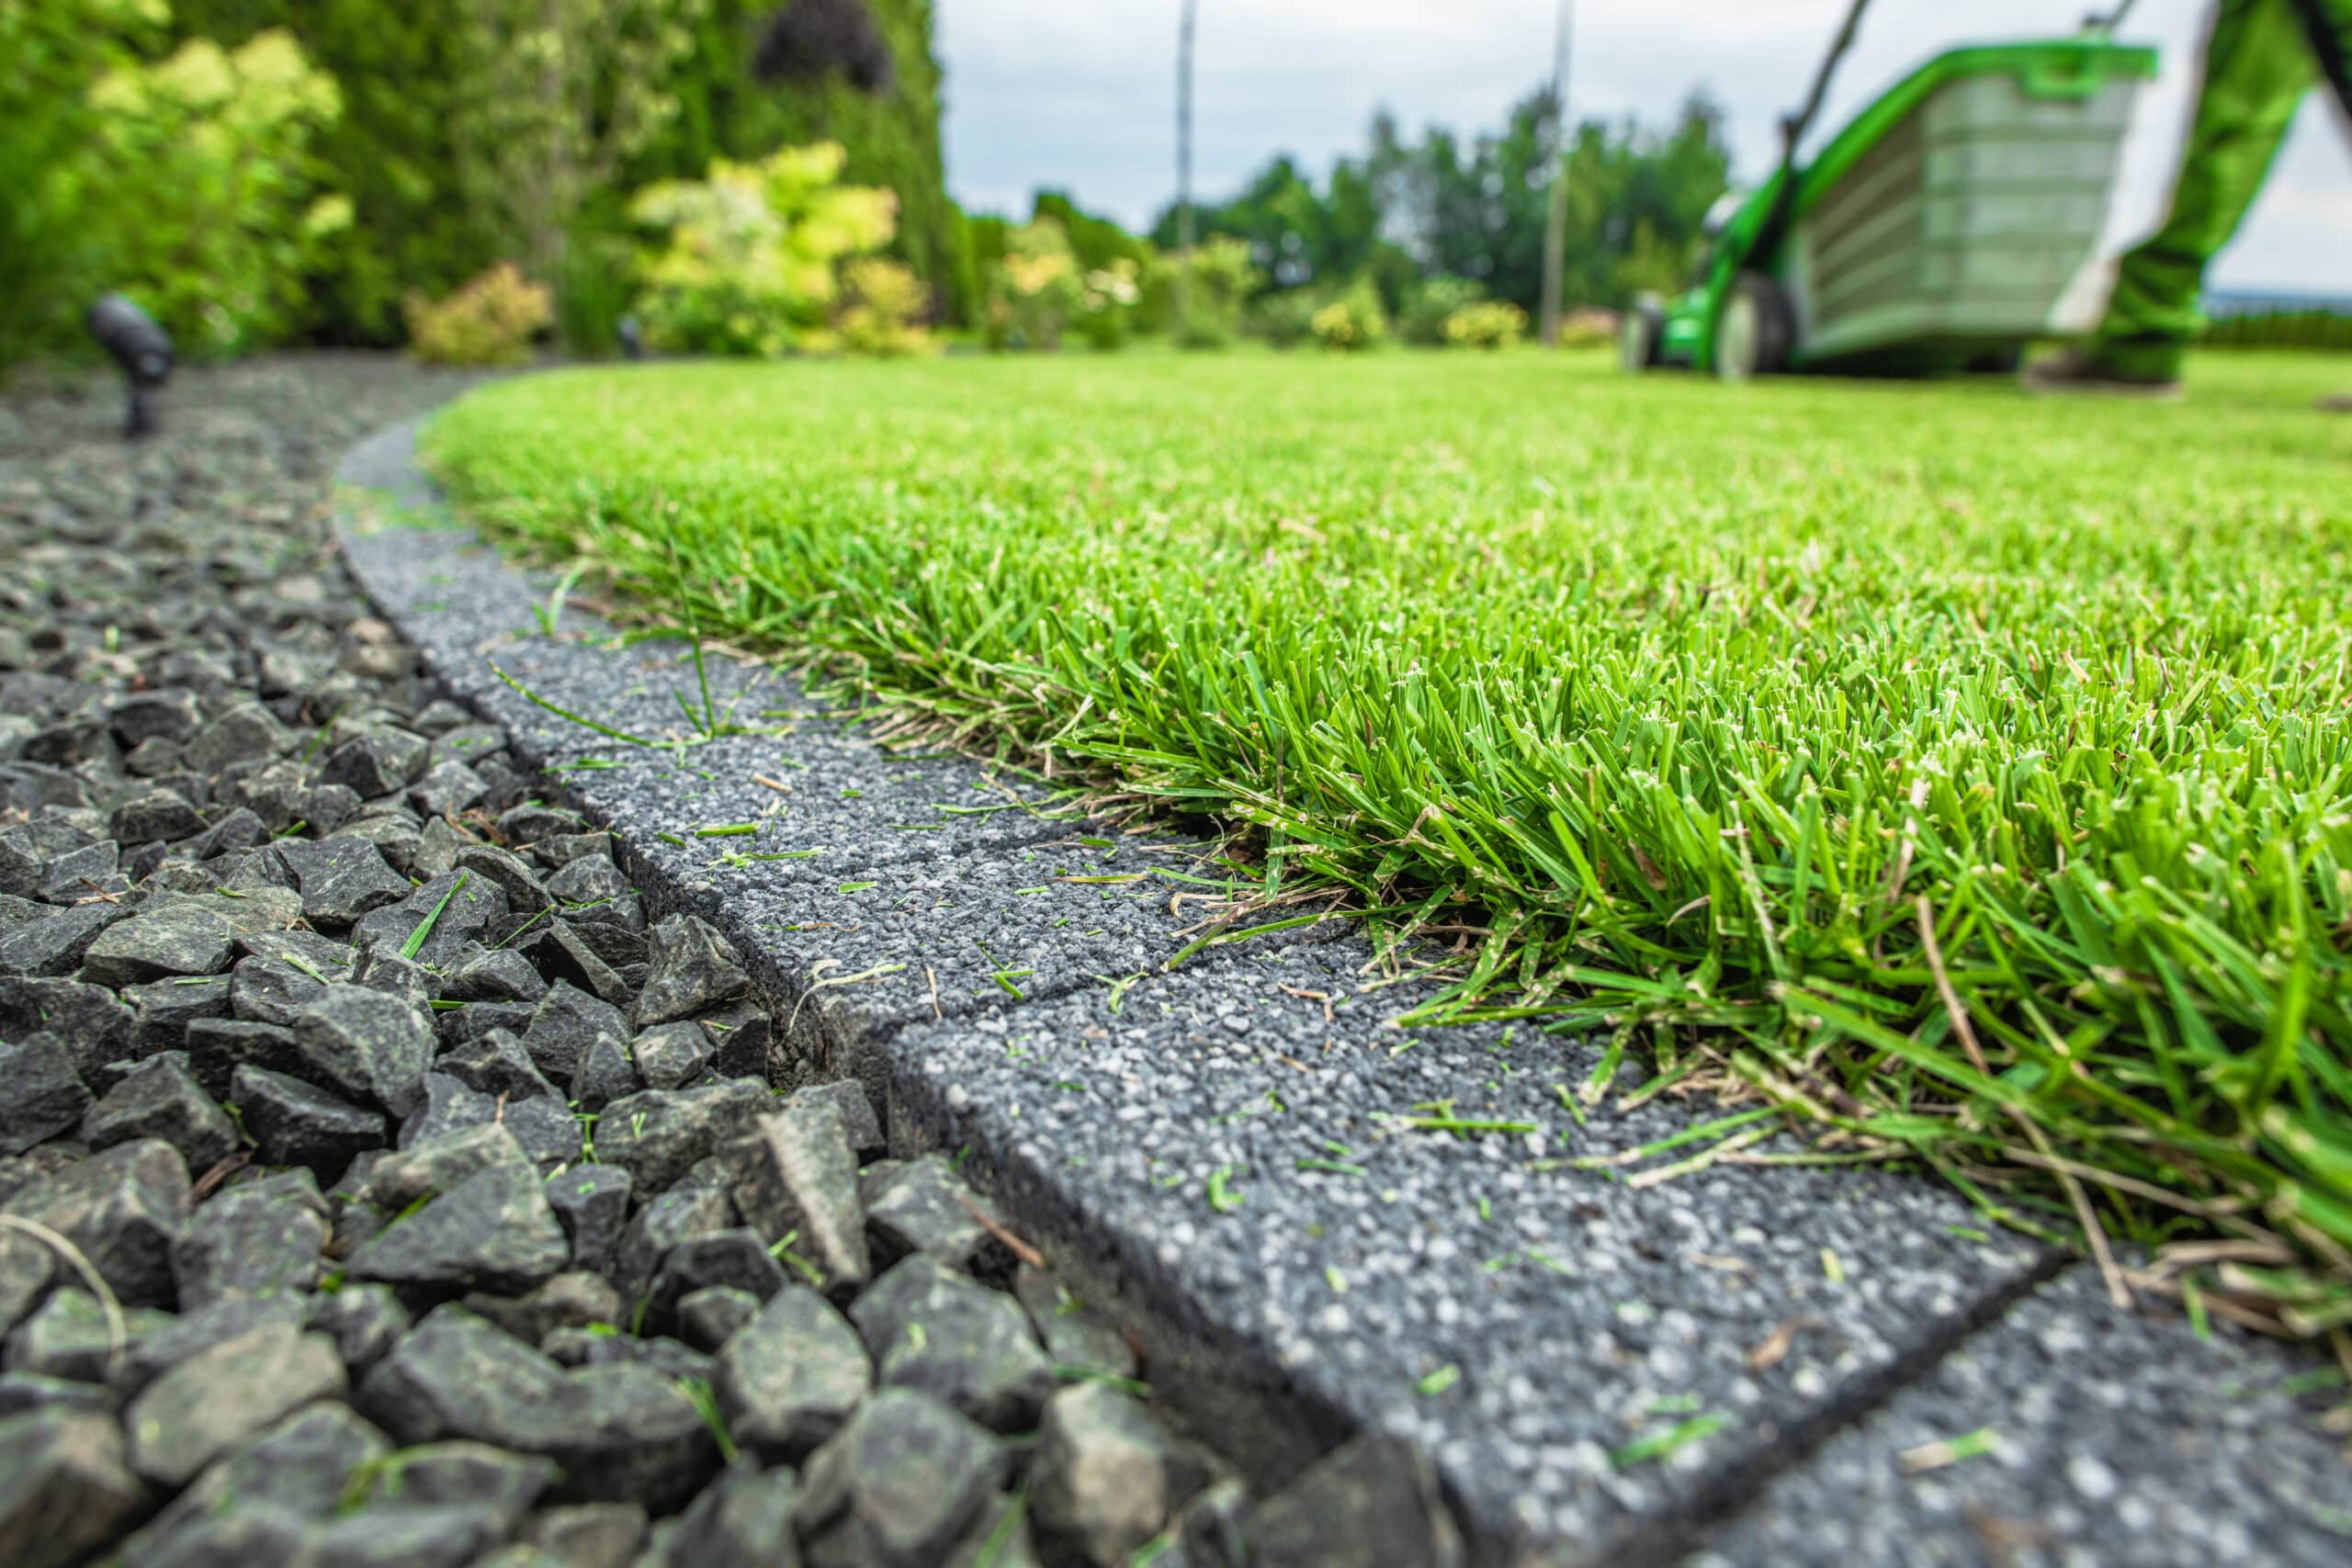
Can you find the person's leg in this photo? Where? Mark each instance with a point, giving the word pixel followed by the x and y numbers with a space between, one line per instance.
pixel 2257 65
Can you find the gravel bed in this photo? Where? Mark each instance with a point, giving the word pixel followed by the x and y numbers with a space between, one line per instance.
pixel 383 1180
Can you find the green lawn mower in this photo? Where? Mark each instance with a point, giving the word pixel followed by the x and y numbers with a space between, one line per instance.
pixel 1952 222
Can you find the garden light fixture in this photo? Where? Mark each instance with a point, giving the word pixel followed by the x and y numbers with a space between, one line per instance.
pixel 143 348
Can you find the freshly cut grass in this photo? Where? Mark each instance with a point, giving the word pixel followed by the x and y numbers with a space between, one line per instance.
pixel 1968 771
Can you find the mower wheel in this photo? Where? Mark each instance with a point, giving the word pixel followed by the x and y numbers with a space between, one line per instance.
pixel 1641 336
pixel 1756 330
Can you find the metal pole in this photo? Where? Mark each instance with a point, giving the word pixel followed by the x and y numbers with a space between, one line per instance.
pixel 1185 128
pixel 1556 214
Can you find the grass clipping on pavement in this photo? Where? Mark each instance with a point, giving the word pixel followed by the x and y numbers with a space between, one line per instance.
pixel 1967 773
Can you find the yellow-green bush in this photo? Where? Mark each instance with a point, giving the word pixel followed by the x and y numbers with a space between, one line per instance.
pixel 883 315
pixel 1490 324
pixel 1033 288
pixel 751 258
pixel 1352 320
pixel 491 321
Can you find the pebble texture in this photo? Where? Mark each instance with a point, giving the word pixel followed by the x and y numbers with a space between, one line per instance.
pixel 1596 1360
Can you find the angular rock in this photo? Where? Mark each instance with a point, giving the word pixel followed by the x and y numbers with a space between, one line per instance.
pixel 927 1208
pixel 788 1380
pixel 364 1321
pixel 328 806
pixel 591 1201
pixel 177 940
pixel 65 1488
pixel 355 1045
pixel 158 814
pixel 258 1238
pixel 495 1064
pixel 385 972
pixel 735 1256
pixel 407 1535
pixel 293 1474
pixel 896 1485
pixel 214 1048
pixel 574 1300
pixel 43 1094
pixel 564 956
pixel 24 1392
pixel 239 830
pixel 1106 1475
pixel 181 1338
pixel 606 1073
pixel 663 1222
pixel 513 874
pixel 656 1135
pixel 708 1318
pixel 447 788
pixel 167 712
pixel 214 1401
pixel 1074 1334
pixel 380 761
pixel 244 732
pixel 1372 1501
pixel 266 990
pixel 460 906
pixel 798 1174
pixel 695 969
pixel 293 1123
pixel 54 945
pixel 342 879
pixel 166 1009
pixel 566 1022
pixel 939 1333
pixel 94 1027
pixel 591 879
pixel 743 1520
pixel 123 1207
pixel 493 1231
pixel 499 974
pixel 460 1471
pixel 27 1269
pixel 847 1098
pixel 588 1535
pixel 159 1098
pixel 71 1337
pixel 671 1056
pixel 621 1432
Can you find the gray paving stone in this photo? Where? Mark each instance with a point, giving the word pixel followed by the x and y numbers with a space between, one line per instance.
pixel 2108 1438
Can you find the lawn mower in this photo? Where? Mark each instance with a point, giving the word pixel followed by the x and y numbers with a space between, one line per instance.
pixel 1953 222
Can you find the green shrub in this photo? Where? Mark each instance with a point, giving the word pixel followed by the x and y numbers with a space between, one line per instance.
pixel 1352 319
pixel 1491 323
pixel 1035 289
pixel 1431 304
pixel 190 183
pixel 883 315
pixel 1205 287
pixel 750 261
pixel 1285 319
pixel 489 322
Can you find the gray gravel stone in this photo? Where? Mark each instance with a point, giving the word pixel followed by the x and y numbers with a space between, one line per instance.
pixel 71 1337
pixel 123 1207
pixel 1075 1334
pixel 1373 1503
pixel 256 1238
pixel 54 945
pixel 353 1043
pixel 493 1231
pixel 604 1074
pixel 224 1395
pixel 293 1474
pixel 695 969
pixel 158 814
pixel 566 1022
pixel 564 956
pixel 45 1095
pixel 177 940
pixel 939 1333
pixel 671 1056
pixel 657 1134
pixel 461 914
pixel 572 1300
pixel 94 1027
pixel 159 1098
pixel 925 1207
pixel 1107 1475
pixel 708 1317
pixel 494 975
pixel 591 1201
pixel 342 879
pixel 743 1520
pixel 736 1256
pixel 293 1123
pixel 379 763
pixel 244 732
pixel 588 1535
pixel 795 1175
pixel 364 1321
pixel 896 1484
pixel 65 1487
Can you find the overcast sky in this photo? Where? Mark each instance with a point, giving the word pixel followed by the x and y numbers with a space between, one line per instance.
pixel 1081 93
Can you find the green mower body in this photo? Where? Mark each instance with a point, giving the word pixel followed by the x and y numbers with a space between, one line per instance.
pixel 1952 222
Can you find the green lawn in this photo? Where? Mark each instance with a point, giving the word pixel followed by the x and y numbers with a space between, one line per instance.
pixel 1692 701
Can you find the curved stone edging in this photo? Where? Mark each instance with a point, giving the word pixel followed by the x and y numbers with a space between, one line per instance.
pixel 1215 1152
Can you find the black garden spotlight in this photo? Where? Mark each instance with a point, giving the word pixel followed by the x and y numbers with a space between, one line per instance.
pixel 143 348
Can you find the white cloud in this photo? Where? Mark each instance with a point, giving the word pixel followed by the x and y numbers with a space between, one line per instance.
pixel 1082 93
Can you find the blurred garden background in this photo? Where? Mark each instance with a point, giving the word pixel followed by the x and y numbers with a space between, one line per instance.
pixel 485 180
